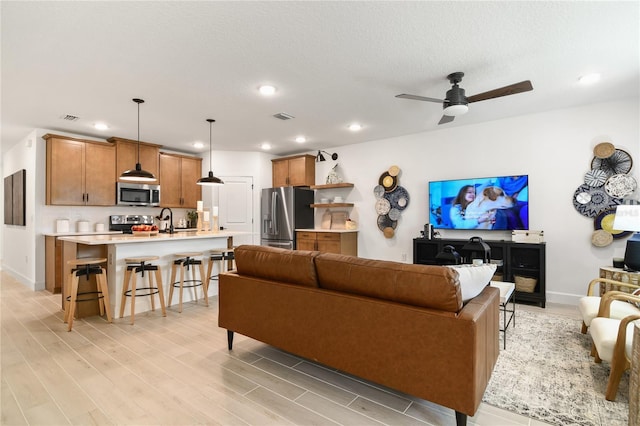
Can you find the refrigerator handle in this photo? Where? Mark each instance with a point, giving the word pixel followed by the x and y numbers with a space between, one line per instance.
pixel 274 211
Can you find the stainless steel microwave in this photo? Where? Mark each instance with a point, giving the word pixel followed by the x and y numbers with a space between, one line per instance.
pixel 137 194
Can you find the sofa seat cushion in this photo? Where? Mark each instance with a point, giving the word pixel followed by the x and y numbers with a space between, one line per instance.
pixel 275 264
pixel 473 278
pixel 427 286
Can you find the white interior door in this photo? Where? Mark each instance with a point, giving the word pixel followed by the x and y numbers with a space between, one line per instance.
pixel 235 207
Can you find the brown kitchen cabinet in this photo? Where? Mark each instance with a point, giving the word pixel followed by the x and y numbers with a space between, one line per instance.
pixel 297 170
pixel 127 156
pixel 80 172
pixel 328 242
pixel 178 177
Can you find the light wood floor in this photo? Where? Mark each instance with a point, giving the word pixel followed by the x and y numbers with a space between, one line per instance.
pixel 177 371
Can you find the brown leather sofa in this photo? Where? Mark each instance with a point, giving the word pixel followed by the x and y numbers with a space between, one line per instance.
pixel 400 325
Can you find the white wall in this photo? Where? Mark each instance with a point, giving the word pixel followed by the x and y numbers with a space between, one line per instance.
pixel 19 242
pixel 554 148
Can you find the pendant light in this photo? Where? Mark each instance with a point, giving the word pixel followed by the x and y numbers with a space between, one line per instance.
pixel 210 180
pixel 138 174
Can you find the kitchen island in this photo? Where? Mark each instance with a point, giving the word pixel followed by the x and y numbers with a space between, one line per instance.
pixel 117 247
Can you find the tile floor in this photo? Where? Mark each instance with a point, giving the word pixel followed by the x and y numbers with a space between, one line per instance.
pixel 177 371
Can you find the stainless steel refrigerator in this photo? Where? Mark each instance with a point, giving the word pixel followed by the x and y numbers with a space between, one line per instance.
pixel 282 211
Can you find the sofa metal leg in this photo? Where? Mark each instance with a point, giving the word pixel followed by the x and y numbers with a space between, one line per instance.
pixel 461 419
pixel 230 339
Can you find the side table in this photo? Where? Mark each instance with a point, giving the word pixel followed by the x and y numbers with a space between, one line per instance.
pixel 618 274
pixel 507 295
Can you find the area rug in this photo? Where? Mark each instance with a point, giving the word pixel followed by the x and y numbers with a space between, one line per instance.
pixel 546 373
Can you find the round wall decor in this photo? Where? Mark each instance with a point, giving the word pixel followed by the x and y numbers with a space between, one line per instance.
pixel 604 220
pixel 619 162
pixel 595 177
pixel 604 150
pixel 620 186
pixel 391 199
pixel 590 201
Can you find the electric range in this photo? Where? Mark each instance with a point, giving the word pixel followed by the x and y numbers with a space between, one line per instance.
pixel 124 222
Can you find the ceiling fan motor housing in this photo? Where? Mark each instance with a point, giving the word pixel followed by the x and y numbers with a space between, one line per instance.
pixel 455 96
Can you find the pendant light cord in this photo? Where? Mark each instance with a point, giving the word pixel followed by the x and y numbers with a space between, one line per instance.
pixel 210 152
pixel 138 159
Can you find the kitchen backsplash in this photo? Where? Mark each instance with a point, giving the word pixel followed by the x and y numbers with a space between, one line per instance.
pixel 94 215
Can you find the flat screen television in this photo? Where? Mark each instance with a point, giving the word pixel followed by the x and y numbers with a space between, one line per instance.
pixel 491 203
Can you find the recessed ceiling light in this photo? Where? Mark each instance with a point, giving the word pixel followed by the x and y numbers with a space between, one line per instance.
pixel 265 146
pixel 301 139
pixel 267 90
pixel 100 126
pixel 198 145
pixel 354 127
pixel 589 79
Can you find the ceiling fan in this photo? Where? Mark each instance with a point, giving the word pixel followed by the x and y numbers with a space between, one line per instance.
pixel 455 103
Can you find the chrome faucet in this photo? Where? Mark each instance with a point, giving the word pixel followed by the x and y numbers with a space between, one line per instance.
pixel 170 217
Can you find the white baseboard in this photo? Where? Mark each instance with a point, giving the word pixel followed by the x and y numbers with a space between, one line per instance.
pixel 563 298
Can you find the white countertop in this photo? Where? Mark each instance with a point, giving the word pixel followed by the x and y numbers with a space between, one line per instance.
pixel 69 234
pixel 339 231
pixel 131 239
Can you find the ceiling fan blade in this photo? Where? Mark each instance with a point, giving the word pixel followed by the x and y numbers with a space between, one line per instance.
pixel 446 119
pixel 419 98
pixel 523 86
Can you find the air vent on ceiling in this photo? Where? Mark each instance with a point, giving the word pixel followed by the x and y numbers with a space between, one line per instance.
pixel 70 117
pixel 283 116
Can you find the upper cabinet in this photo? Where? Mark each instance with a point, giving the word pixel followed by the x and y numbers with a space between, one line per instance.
pixel 178 177
pixel 127 156
pixel 297 170
pixel 80 172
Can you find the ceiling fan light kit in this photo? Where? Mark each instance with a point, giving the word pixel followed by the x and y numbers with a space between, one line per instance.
pixel 456 102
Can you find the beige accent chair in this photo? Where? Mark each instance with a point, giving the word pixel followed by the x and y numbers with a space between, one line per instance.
pixel 613 338
pixel 589 305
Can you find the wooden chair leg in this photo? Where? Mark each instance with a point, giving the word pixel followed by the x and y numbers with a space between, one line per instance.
pixel 150 285
pixel 584 328
pixel 181 287
pixel 125 288
pixel 205 285
pixel 104 288
pixel 209 270
pixel 134 282
pixel 618 367
pixel 171 281
pixel 72 303
pixel 160 292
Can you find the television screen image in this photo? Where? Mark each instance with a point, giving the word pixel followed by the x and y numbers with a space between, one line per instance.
pixel 492 203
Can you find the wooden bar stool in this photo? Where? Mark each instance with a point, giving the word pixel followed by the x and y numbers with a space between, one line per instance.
pixel 135 265
pixel 86 268
pixel 184 261
pixel 223 257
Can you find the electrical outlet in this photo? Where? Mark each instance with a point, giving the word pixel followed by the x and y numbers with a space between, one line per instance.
pixel 404 257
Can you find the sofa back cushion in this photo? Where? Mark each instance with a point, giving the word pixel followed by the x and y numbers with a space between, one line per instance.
pixel 275 264
pixel 427 286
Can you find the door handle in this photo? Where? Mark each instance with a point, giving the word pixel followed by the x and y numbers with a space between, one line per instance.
pixel 274 218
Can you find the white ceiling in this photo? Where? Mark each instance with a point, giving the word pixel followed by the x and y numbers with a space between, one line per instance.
pixel 333 63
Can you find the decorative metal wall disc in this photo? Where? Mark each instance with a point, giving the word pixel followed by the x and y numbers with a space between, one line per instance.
pixel 590 201
pixel 399 198
pixel 394 214
pixel 382 206
pixel 385 221
pixel 394 170
pixel 604 220
pixel 601 238
pixel 620 186
pixel 378 190
pixel 595 177
pixel 388 182
pixel 619 162
pixel 604 150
